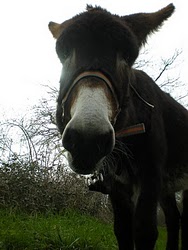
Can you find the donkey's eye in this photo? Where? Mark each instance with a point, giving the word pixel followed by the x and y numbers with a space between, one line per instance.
pixel 62 51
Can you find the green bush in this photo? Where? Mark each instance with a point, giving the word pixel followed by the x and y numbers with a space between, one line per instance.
pixel 29 187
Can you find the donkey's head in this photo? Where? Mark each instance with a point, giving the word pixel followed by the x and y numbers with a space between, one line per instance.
pixel 97 50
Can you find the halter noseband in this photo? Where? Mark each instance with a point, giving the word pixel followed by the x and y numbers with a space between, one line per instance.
pixel 96 74
pixel 132 130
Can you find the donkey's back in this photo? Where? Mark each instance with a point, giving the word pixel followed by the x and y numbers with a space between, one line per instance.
pixel 175 118
pixel 169 122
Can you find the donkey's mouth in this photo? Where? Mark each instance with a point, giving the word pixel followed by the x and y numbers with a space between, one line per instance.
pixel 100 181
pixel 83 166
pixel 98 176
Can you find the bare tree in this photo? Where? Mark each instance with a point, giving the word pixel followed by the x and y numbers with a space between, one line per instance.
pixel 162 72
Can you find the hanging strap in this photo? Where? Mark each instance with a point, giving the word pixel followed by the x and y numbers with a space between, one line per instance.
pixel 132 130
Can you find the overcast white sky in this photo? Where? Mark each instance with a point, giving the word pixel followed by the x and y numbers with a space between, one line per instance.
pixel 27 49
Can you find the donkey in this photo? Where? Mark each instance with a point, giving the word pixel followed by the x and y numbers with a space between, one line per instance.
pixel 114 119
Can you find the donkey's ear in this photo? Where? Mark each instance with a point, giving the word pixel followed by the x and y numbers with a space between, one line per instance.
pixel 56 28
pixel 143 24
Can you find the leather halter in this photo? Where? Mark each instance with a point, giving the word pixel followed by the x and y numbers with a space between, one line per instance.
pixel 132 130
pixel 96 74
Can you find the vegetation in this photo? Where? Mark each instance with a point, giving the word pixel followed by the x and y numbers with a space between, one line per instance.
pixel 69 230
pixel 30 188
pixel 64 231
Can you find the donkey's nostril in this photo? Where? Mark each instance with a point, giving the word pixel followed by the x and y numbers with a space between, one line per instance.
pixel 71 139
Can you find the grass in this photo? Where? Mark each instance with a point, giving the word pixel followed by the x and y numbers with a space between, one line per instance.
pixel 161 242
pixel 71 230
pixel 68 231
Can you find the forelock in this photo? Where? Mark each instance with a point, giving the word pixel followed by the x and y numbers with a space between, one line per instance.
pixel 104 29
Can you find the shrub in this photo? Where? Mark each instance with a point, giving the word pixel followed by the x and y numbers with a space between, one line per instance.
pixel 32 188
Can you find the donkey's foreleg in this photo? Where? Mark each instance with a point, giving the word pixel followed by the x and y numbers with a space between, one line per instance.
pixel 172 218
pixel 184 221
pixel 123 208
pixel 146 221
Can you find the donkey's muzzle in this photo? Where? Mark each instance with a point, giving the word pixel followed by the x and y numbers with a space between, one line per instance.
pixel 86 150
